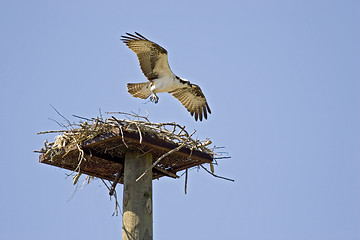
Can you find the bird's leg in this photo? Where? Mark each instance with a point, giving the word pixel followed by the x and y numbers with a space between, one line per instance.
pixel 154 98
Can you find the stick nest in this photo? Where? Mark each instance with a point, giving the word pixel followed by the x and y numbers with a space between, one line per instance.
pixel 87 129
pixel 74 134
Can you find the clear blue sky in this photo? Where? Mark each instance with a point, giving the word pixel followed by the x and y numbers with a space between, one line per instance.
pixel 282 80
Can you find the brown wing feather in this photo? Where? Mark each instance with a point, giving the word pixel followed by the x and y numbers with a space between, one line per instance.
pixel 193 100
pixel 139 90
pixel 152 57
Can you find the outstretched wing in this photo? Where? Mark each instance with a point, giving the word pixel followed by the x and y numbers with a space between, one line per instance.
pixel 193 100
pixel 152 57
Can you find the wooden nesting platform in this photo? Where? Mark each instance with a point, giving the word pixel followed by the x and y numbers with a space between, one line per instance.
pixel 105 155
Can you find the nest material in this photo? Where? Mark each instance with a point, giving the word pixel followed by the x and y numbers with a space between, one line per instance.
pixel 77 135
pixel 170 132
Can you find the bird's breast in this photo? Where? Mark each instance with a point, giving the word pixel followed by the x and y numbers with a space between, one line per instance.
pixel 165 84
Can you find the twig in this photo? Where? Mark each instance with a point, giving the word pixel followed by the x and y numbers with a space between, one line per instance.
pixel 121 131
pixel 117 178
pixel 228 179
pixel 60 114
pixel 83 118
pixel 117 206
pixel 100 113
pixel 129 114
pixel 139 131
pixel 221 157
pixel 186 179
pixel 52 131
pixel 60 124
pixel 164 155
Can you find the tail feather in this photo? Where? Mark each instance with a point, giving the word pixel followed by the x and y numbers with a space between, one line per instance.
pixel 139 90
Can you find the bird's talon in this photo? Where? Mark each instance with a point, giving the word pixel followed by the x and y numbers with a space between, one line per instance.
pixel 154 98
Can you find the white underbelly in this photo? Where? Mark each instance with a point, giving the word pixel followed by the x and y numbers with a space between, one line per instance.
pixel 165 85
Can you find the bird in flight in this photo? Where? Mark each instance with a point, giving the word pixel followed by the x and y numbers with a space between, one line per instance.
pixel 154 64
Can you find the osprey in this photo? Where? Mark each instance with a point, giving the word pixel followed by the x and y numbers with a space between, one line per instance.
pixel 154 64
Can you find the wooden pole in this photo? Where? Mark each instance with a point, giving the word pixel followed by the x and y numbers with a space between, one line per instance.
pixel 137 197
